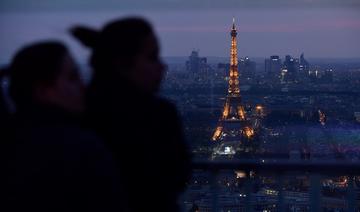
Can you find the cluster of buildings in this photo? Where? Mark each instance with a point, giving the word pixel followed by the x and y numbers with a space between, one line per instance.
pixel 290 110
pixel 288 70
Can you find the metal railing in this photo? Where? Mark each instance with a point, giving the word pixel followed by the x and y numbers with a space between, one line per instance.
pixel 316 170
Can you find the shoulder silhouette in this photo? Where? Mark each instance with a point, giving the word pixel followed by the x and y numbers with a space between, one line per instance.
pixel 57 165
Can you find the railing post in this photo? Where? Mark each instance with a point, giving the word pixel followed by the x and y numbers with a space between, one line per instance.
pixel 351 195
pixel 281 202
pixel 315 192
pixel 214 189
pixel 248 188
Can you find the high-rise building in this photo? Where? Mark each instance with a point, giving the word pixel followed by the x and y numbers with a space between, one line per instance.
pixel 304 65
pixel 196 64
pixel 197 67
pixel 304 68
pixel 221 72
pixel 290 69
pixel 247 68
pixel 273 67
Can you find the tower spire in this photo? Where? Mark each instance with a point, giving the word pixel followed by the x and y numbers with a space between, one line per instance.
pixel 233 26
pixel 234 73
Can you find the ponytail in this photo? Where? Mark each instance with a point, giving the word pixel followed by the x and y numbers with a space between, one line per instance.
pixel 88 37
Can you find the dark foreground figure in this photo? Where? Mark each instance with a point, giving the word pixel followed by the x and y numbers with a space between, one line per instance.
pixel 53 164
pixel 142 130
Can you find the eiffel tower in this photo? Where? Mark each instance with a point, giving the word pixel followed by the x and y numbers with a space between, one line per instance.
pixel 234 131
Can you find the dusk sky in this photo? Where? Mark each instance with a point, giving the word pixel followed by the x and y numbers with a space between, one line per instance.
pixel 319 28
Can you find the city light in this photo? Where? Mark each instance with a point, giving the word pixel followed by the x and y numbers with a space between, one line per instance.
pixel 249 132
pixel 322 117
pixel 217 133
pixel 240 174
pixel 241 112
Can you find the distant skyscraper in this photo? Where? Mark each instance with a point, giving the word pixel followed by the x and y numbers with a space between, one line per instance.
pixel 304 67
pixel 222 69
pixel 197 67
pixel 273 67
pixel 247 68
pixel 195 64
pixel 290 69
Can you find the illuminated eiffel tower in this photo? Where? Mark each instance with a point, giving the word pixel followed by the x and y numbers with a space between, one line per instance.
pixel 234 130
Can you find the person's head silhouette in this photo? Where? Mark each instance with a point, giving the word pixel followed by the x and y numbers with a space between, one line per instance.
pixel 44 73
pixel 126 49
pixel 120 101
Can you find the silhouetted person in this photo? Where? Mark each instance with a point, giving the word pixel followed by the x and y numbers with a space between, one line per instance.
pixel 5 132
pixel 4 110
pixel 143 130
pixel 3 107
pixel 57 165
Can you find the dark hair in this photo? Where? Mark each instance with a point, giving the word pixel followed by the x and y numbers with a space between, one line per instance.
pixel 3 106
pixel 118 42
pixel 34 65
